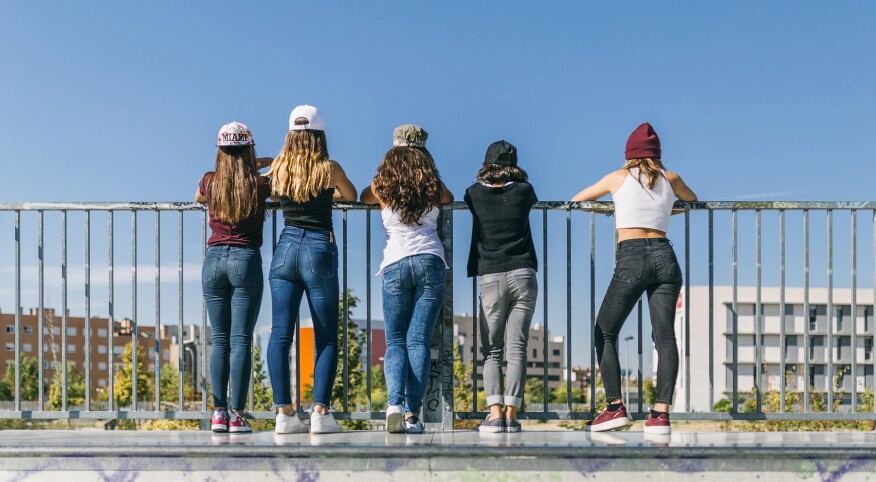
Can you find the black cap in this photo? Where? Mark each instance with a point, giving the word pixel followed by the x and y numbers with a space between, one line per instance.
pixel 502 153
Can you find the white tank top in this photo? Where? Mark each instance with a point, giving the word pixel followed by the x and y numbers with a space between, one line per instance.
pixel 403 240
pixel 636 206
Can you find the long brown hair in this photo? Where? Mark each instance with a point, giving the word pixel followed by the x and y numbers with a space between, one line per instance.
pixel 303 169
pixel 234 186
pixel 408 182
pixel 498 174
pixel 650 167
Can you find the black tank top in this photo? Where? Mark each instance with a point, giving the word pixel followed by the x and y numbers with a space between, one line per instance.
pixel 312 215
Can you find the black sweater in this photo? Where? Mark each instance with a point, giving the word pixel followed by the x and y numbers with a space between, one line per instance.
pixel 501 239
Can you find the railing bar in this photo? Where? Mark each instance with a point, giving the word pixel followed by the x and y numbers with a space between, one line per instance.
pixel 639 316
pixel 157 342
pixel 854 309
pixel 473 343
pixel 758 316
pixel 735 333
pixel 592 312
pixel 686 308
pixel 830 375
pixel 368 307
pixel 41 313
pixel 545 292
pixel 134 331
pixel 18 311
pixel 63 312
pixel 346 321
pixel 806 314
pixel 202 373
pixel 181 363
pixel 569 309
pixel 711 310
pixel 782 337
pixel 111 394
pixel 87 310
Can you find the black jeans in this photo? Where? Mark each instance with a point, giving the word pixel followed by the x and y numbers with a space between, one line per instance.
pixel 642 265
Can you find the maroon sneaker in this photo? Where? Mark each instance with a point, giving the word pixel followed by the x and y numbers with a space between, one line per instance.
pixel 219 421
pixel 658 425
pixel 610 420
pixel 238 424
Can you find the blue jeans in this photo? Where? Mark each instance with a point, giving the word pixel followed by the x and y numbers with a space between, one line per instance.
pixel 413 292
pixel 232 282
pixel 304 262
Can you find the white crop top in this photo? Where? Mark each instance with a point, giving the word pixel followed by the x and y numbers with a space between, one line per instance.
pixel 636 206
pixel 403 240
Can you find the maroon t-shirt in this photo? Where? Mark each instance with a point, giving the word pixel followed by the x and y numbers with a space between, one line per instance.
pixel 248 232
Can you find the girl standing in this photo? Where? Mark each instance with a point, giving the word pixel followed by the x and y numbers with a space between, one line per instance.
pixel 409 190
pixel 305 181
pixel 643 193
pixel 502 255
pixel 231 276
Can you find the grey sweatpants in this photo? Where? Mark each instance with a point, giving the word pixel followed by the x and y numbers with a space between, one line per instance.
pixel 508 302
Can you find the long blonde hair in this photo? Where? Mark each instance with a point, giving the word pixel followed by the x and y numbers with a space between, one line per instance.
pixel 652 169
pixel 303 169
pixel 234 185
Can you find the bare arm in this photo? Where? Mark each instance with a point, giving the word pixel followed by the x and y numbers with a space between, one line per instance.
pixel 344 189
pixel 368 196
pixel 263 162
pixel 682 192
pixel 446 195
pixel 596 191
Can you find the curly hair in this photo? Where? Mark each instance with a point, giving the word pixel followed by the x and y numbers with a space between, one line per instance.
pixel 497 174
pixel 303 169
pixel 408 182
pixel 234 185
pixel 652 169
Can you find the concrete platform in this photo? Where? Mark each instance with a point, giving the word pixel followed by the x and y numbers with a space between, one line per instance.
pixel 458 455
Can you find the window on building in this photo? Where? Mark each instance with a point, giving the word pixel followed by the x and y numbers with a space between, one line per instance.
pixel 165 354
pixel 101 365
pixel 839 348
pixel 118 350
pixel 26 347
pixel 556 352
pixel 151 354
pixel 71 331
pixel 10 347
pixel 101 349
pixel 790 341
pixel 868 348
pixel 101 382
pixel 811 348
pixel 71 348
pixel 789 309
pixel 813 318
pixel 28 329
pixel 45 365
pixel 534 353
pixel 101 332
pixel 868 313
pixel 10 329
pixel 843 313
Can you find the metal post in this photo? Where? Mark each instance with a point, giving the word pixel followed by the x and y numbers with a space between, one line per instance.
pixel 854 309
pixel 782 342
pixel 830 373
pixel 592 312
pixel 568 309
pixel 202 373
pixel 806 316
pixel 180 329
pixel 735 335
pixel 111 395
pixel 438 409
pixel 18 311
pixel 711 310
pixel 87 333
pixel 758 319
pixel 368 305
pixel 544 304
pixel 157 340
pixel 134 332
pixel 687 307
pixel 63 312
pixel 41 313
pixel 628 370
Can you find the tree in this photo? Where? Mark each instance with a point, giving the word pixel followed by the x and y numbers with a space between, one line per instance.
pixel 30 380
pixel 75 388
pixel 378 389
pixel 461 382
pixel 123 381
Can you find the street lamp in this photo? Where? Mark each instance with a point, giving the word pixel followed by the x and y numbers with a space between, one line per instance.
pixel 627 339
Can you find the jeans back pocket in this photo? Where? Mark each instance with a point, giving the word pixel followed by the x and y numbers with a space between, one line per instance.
pixel 324 261
pixel 629 268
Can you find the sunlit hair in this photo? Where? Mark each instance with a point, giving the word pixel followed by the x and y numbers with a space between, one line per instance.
pixel 649 167
pixel 498 174
pixel 234 186
pixel 303 169
pixel 408 182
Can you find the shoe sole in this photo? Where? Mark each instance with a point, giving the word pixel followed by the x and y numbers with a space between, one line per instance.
pixel 394 423
pixel 288 431
pixel 512 430
pixel 610 425
pixel 658 430
pixel 327 430
pixel 218 428
pixel 491 429
pixel 240 429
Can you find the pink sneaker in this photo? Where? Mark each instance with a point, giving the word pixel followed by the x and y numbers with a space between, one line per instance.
pixel 238 424
pixel 658 425
pixel 219 422
pixel 610 420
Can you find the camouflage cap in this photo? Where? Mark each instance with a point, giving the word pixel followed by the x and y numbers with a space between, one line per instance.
pixel 409 135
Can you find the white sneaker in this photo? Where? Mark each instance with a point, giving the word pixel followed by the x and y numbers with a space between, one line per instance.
pixel 320 423
pixel 290 424
pixel 394 419
pixel 414 425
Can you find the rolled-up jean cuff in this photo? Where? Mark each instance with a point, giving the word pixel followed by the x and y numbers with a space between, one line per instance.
pixel 278 405
pixel 609 398
pixel 513 401
pixel 668 402
pixel 494 400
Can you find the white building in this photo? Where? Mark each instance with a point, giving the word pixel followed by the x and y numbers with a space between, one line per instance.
pixel 819 350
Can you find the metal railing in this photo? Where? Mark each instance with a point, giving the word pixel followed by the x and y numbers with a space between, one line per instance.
pixel 439 407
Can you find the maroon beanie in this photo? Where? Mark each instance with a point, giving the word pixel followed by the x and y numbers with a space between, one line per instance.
pixel 643 142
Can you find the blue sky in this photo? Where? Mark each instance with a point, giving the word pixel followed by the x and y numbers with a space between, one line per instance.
pixel 118 101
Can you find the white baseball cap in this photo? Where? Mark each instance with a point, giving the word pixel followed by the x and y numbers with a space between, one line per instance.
pixel 234 134
pixel 306 117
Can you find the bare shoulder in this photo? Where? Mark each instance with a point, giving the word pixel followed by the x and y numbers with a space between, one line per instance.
pixel 672 177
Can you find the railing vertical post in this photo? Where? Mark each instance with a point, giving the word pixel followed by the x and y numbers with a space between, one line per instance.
pixel 592 312
pixel 735 333
pixel 806 315
pixel 475 313
pixel 686 308
pixel 439 408
pixel 758 319
pixel 180 329
pixel 18 311
pixel 368 276
pixel 344 316
pixel 854 313
pixel 568 309
pixel 63 312
pixel 711 310
pixel 544 304
pixel 87 333
pixel 157 340
pixel 202 373
pixel 134 332
pixel 782 342
pixel 111 394
pixel 830 370
pixel 41 313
